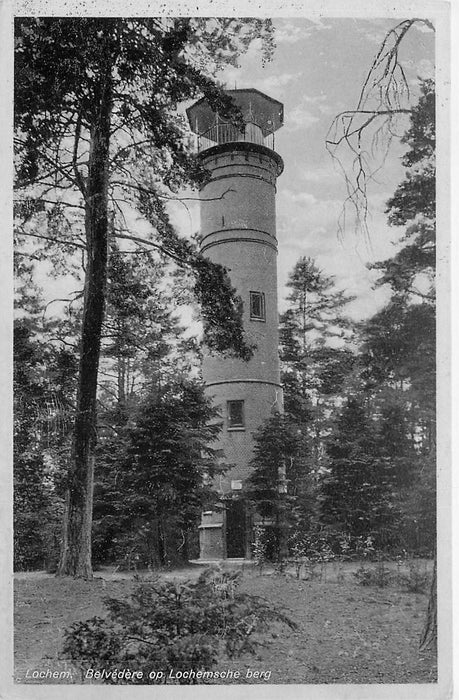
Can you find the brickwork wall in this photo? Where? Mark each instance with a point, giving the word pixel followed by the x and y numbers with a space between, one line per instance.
pixel 238 230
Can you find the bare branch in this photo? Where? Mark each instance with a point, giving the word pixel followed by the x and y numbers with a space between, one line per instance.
pixel 57 201
pixel 157 246
pixel 78 294
pixel 160 195
pixel 63 169
pixel 53 240
pixel 383 98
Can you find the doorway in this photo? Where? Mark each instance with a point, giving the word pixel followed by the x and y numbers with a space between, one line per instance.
pixel 235 529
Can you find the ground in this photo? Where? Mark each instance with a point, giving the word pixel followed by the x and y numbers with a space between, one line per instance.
pixel 347 633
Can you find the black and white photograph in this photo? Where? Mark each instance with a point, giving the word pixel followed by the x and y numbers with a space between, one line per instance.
pixel 230 379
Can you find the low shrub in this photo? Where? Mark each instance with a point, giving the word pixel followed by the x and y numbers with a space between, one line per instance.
pixel 173 626
pixel 416 580
pixel 259 547
pixel 378 575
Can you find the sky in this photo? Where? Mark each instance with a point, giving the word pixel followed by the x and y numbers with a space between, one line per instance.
pixel 317 71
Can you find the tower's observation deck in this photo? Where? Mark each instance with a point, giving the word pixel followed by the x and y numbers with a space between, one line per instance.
pixel 238 231
pixel 262 116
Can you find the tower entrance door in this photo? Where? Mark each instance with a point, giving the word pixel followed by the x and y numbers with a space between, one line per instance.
pixel 235 529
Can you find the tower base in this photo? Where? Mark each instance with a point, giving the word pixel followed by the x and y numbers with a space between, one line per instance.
pixel 225 533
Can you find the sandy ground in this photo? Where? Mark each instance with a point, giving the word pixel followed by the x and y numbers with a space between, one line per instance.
pixel 346 633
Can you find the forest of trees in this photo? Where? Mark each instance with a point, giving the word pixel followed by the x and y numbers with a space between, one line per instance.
pixel 113 433
pixel 360 397
pixel 357 437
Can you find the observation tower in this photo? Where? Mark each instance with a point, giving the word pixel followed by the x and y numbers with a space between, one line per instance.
pixel 238 231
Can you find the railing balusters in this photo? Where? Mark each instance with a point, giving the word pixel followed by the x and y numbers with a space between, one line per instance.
pixel 224 132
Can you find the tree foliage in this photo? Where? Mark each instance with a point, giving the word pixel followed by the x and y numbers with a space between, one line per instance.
pixel 413 206
pixel 43 385
pixel 316 358
pixel 399 348
pixel 357 487
pixel 142 339
pixel 280 485
pixel 153 476
pixel 399 342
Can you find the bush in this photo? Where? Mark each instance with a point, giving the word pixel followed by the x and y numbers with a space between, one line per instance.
pixel 416 580
pixel 327 544
pixel 259 546
pixel 36 542
pixel 378 575
pixel 173 626
pixel 28 543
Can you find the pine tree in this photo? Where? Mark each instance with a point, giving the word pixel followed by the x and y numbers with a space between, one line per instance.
pixel 154 475
pixel 413 206
pixel 399 342
pixel 356 490
pixel 142 339
pixel 280 486
pixel 44 387
pixel 314 368
pixel 399 349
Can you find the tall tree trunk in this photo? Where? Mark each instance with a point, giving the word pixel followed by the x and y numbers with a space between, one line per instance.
pixel 76 547
pixel 429 633
pixel 161 542
pixel 121 378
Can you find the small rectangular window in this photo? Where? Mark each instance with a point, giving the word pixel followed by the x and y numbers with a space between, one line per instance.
pixel 257 306
pixel 235 414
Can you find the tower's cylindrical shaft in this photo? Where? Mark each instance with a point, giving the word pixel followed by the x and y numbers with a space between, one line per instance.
pixel 238 230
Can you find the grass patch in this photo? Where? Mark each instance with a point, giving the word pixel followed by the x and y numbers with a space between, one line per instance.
pixel 346 633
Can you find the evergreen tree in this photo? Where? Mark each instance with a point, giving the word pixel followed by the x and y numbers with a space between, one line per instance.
pixel 413 476
pixel 413 206
pixel 142 343
pixel 280 486
pixel 399 349
pixel 314 367
pixel 44 386
pixel 356 490
pixel 397 443
pixel 399 342
pixel 153 477
pixel 316 305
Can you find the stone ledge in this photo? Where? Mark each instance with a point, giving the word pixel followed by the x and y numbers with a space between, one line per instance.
pixel 223 562
pixel 205 527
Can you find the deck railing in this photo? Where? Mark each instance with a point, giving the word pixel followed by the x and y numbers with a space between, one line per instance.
pixel 225 132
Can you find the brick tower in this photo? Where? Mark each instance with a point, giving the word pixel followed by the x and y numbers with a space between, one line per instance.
pixel 238 230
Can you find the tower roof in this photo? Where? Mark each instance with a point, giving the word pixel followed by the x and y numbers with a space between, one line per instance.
pixel 255 106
